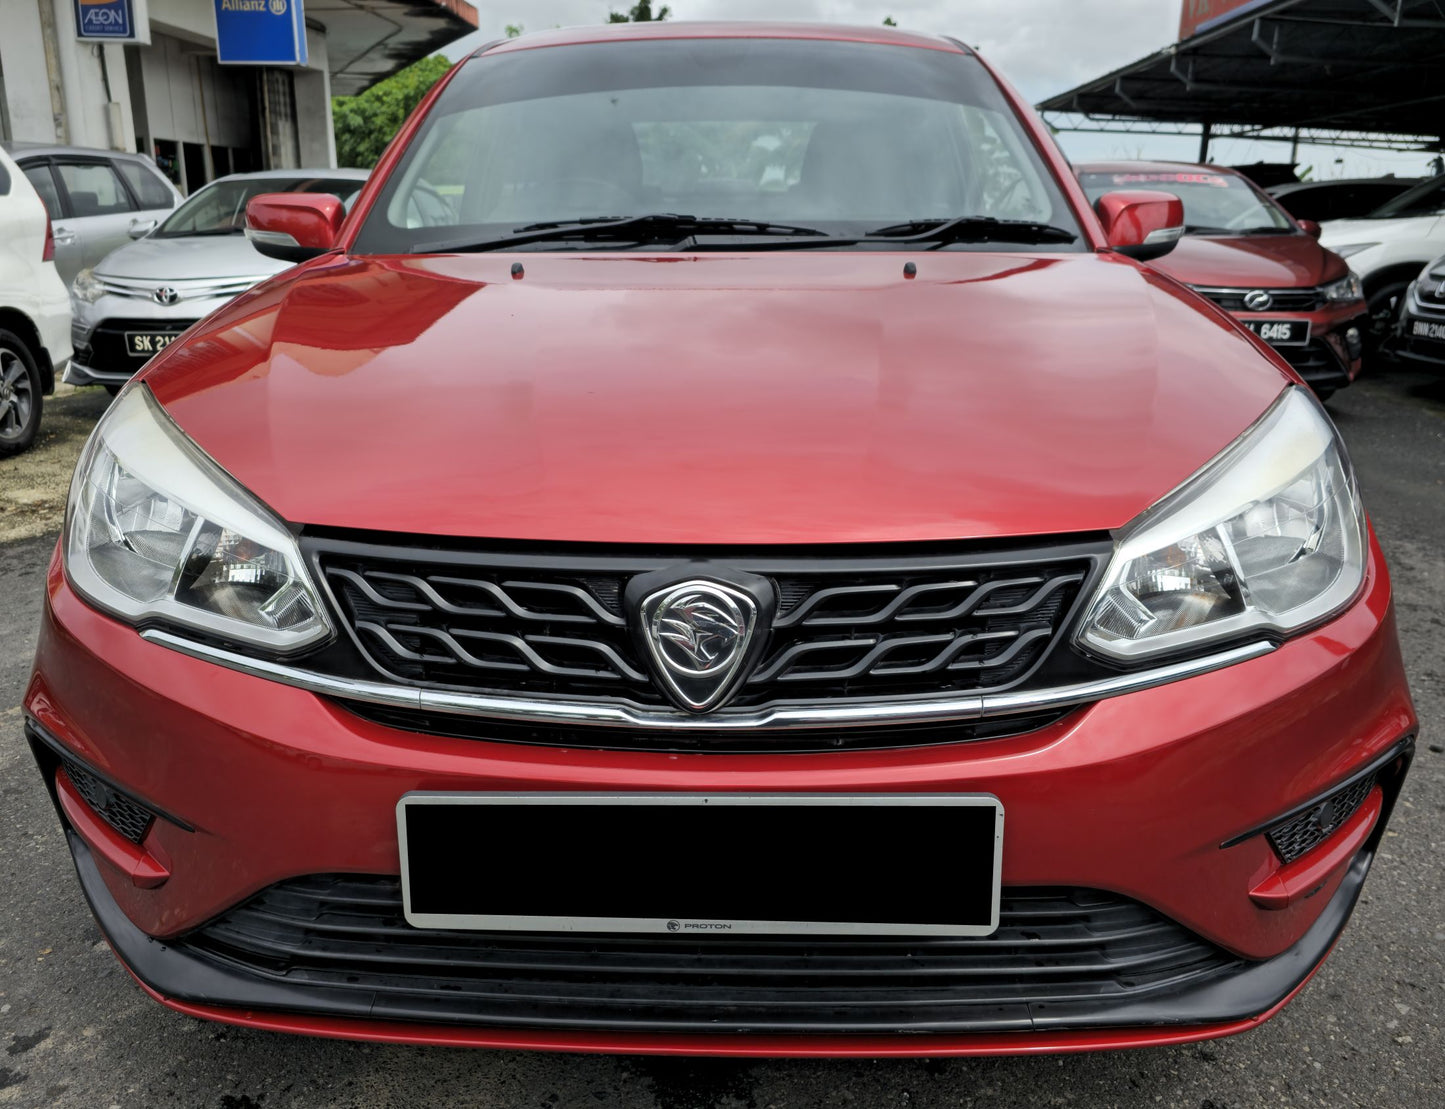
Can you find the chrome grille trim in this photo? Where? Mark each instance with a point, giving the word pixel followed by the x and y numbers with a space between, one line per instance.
pixel 540 711
pixel 202 289
pixel 1287 299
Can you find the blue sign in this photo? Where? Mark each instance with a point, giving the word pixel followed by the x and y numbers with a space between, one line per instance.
pixel 104 19
pixel 260 32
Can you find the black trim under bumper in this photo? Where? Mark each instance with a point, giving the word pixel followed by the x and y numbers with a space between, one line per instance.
pixel 178 974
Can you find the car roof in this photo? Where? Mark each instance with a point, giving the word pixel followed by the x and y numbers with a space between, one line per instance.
pixel 344 173
pixel 682 29
pixel 1295 186
pixel 1152 167
pixel 27 149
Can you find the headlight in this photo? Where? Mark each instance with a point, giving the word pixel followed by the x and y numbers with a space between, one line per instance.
pixel 86 287
pixel 156 531
pixel 1346 288
pixel 1270 536
pixel 1352 248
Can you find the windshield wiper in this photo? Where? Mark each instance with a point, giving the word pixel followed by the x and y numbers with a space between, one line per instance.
pixel 972 229
pixel 623 228
pixel 1205 229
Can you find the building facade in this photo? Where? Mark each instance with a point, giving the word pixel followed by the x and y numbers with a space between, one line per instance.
pixel 165 92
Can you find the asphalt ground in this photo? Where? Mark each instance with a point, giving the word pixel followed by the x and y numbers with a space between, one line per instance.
pixel 76 1031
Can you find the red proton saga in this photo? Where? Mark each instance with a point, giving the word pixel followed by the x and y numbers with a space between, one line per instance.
pixel 722 551
pixel 1253 259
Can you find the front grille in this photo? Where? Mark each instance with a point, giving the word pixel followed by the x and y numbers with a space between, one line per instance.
pixel 106 348
pixel 129 818
pixel 843 629
pixel 1283 300
pixel 1311 828
pixel 1056 951
pixel 1317 363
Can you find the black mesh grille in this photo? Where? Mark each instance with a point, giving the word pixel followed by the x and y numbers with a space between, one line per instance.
pixel 1308 830
pixel 1317 363
pixel 1054 948
pixel 841 630
pixel 1282 300
pixel 106 349
pixel 129 818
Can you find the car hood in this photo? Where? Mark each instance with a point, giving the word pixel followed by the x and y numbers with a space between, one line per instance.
pixel 1249 261
pixel 1342 232
pixel 796 397
pixel 189 258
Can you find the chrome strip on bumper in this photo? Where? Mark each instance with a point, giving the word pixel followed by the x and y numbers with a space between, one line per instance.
pixel 541 711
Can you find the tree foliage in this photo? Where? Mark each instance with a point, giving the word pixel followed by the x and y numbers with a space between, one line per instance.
pixel 365 123
pixel 641 12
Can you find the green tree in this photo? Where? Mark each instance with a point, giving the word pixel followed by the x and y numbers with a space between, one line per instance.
pixel 889 21
pixel 641 12
pixel 365 123
pixel 514 29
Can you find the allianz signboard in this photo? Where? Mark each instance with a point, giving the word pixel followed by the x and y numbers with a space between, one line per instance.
pixel 260 32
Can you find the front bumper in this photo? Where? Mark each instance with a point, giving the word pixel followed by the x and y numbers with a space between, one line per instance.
pixel 1333 356
pixel 1419 334
pixel 1134 795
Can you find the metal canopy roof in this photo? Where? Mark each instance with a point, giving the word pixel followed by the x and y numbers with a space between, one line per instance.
pixel 1317 65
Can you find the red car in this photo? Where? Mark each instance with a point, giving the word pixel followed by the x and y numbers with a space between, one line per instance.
pixel 1257 262
pixel 722 551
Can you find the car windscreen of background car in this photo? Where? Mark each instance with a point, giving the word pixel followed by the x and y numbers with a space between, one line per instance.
pixel 1425 199
pixel 220 209
pixel 1213 202
pixel 843 137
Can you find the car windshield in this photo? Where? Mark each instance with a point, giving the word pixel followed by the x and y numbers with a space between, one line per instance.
pixel 828 139
pixel 1425 199
pixel 1214 203
pixel 220 208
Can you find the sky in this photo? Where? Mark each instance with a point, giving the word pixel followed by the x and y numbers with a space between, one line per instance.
pixel 1042 46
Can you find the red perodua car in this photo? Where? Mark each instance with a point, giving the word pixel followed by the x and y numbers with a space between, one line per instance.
pixel 721 551
pixel 1252 258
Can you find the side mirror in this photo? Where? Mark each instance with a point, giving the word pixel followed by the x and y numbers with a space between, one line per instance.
pixel 293 227
pixel 1140 223
pixel 1309 227
pixel 140 228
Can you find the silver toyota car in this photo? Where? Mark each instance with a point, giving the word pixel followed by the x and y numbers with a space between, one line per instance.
pixel 143 295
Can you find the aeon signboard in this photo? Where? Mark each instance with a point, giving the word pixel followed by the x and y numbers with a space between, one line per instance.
pixel 110 21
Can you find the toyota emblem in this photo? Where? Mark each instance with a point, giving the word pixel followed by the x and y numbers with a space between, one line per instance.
pixel 165 294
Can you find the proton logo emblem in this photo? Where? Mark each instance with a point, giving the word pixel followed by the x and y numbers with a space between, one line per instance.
pixel 698 634
pixel 1257 300
pixel 674 925
pixel 165 294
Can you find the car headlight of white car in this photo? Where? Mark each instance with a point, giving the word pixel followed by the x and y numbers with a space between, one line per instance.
pixel 86 287
pixel 1352 248
pixel 1346 288
pixel 1269 537
pixel 156 532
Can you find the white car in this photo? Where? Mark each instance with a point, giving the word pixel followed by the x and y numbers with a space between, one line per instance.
pixel 34 310
pixel 140 297
pixel 1388 247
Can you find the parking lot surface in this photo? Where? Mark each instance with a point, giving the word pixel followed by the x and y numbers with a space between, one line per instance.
pixel 77 1031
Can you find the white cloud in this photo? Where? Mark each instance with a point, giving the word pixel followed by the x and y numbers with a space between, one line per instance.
pixel 1041 46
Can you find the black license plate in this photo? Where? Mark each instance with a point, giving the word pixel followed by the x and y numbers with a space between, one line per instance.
pixel 1427 329
pixel 1281 333
pixel 143 344
pixel 703 864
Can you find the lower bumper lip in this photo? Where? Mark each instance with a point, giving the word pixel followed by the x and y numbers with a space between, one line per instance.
pixel 1230 1002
